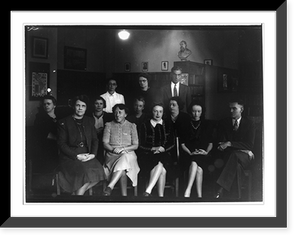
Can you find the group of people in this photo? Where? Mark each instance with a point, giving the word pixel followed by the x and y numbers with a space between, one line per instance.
pixel 113 144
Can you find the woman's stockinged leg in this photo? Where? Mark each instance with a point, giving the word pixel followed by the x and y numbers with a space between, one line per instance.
pixel 115 178
pixel 123 184
pixel 83 189
pixel 192 176
pixel 161 183
pixel 199 181
pixel 154 176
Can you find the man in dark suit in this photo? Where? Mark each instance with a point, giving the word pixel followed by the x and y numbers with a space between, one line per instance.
pixel 175 88
pixel 236 140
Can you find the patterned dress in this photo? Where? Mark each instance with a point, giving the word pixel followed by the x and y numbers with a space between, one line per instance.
pixel 121 135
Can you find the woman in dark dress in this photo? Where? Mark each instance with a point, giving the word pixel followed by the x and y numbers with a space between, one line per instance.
pixel 45 129
pixel 177 117
pixel 156 141
pixel 150 94
pixel 197 144
pixel 78 145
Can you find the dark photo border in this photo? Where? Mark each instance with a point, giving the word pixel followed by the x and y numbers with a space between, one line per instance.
pixel 279 221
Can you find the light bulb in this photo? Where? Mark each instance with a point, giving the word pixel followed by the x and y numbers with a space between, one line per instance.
pixel 123 34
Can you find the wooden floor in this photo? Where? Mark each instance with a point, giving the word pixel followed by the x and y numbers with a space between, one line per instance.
pixel 41 194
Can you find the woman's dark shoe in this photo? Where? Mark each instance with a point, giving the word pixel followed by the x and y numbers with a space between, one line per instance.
pixel 107 191
pixel 146 194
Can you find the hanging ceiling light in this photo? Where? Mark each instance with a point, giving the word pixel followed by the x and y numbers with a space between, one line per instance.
pixel 124 34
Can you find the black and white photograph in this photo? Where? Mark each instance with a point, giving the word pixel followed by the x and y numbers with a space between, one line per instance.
pixel 177 129
pixel 133 121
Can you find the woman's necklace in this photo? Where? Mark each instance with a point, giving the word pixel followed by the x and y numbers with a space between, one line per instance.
pixel 79 126
pixel 195 127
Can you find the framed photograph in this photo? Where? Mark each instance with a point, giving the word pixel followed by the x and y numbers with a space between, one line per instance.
pixel 39 77
pixel 208 61
pixel 228 81
pixel 145 66
pixel 39 47
pixel 185 79
pixel 164 65
pixel 127 67
pixel 75 58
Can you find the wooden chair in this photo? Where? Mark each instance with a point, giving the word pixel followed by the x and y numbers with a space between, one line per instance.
pixel 174 185
pixel 246 184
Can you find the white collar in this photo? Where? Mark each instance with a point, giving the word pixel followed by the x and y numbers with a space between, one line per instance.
pixel 238 121
pixel 154 123
pixel 177 85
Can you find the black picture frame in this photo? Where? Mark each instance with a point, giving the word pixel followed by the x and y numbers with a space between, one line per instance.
pixel 75 58
pixel 279 221
pixel 39 47
pixel 208 61
pixel 39 79
pixel 145 66
pixel 127 67
pixel 164 65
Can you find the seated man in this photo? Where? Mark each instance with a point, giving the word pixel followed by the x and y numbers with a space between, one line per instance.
pixel 236 140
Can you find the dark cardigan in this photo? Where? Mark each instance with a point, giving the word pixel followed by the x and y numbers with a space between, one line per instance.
pixel 69 138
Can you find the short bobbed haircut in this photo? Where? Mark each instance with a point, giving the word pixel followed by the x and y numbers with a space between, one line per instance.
pixel 100 98
pixel 49 97
pixel 178 100
pixel 83 98
pixel 121 107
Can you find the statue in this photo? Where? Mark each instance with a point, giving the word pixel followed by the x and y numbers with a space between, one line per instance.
pixel 184 52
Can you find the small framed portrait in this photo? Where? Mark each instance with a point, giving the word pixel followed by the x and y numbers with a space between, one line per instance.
pixel 208 61
pixel 127 67
pixel 39 47
pixel 164 65
pixel 145 66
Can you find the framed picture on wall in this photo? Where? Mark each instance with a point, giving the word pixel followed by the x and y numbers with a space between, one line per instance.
pixel 208 61
pixel 127 67
pixel 75 58
pixel 39 47
pixel 39 80
pixel 164 65
pixel 144 66
pixel 185 79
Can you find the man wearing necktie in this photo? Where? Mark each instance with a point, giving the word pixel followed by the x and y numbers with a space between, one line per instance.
pixel 236 139
pixel 175 88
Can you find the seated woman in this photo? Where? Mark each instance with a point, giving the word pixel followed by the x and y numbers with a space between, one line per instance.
pixel 100 117
pixel 45 130
pixel 138 116
pixel 78 144
pixel 197 144
pixel 176 116
pixel 156 141
pixel 120 139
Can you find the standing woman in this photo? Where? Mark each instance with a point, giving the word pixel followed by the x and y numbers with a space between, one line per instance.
pixel 150 94
pixel 156 141
pixel 78 144
pixel 197 144
pixel 120 139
